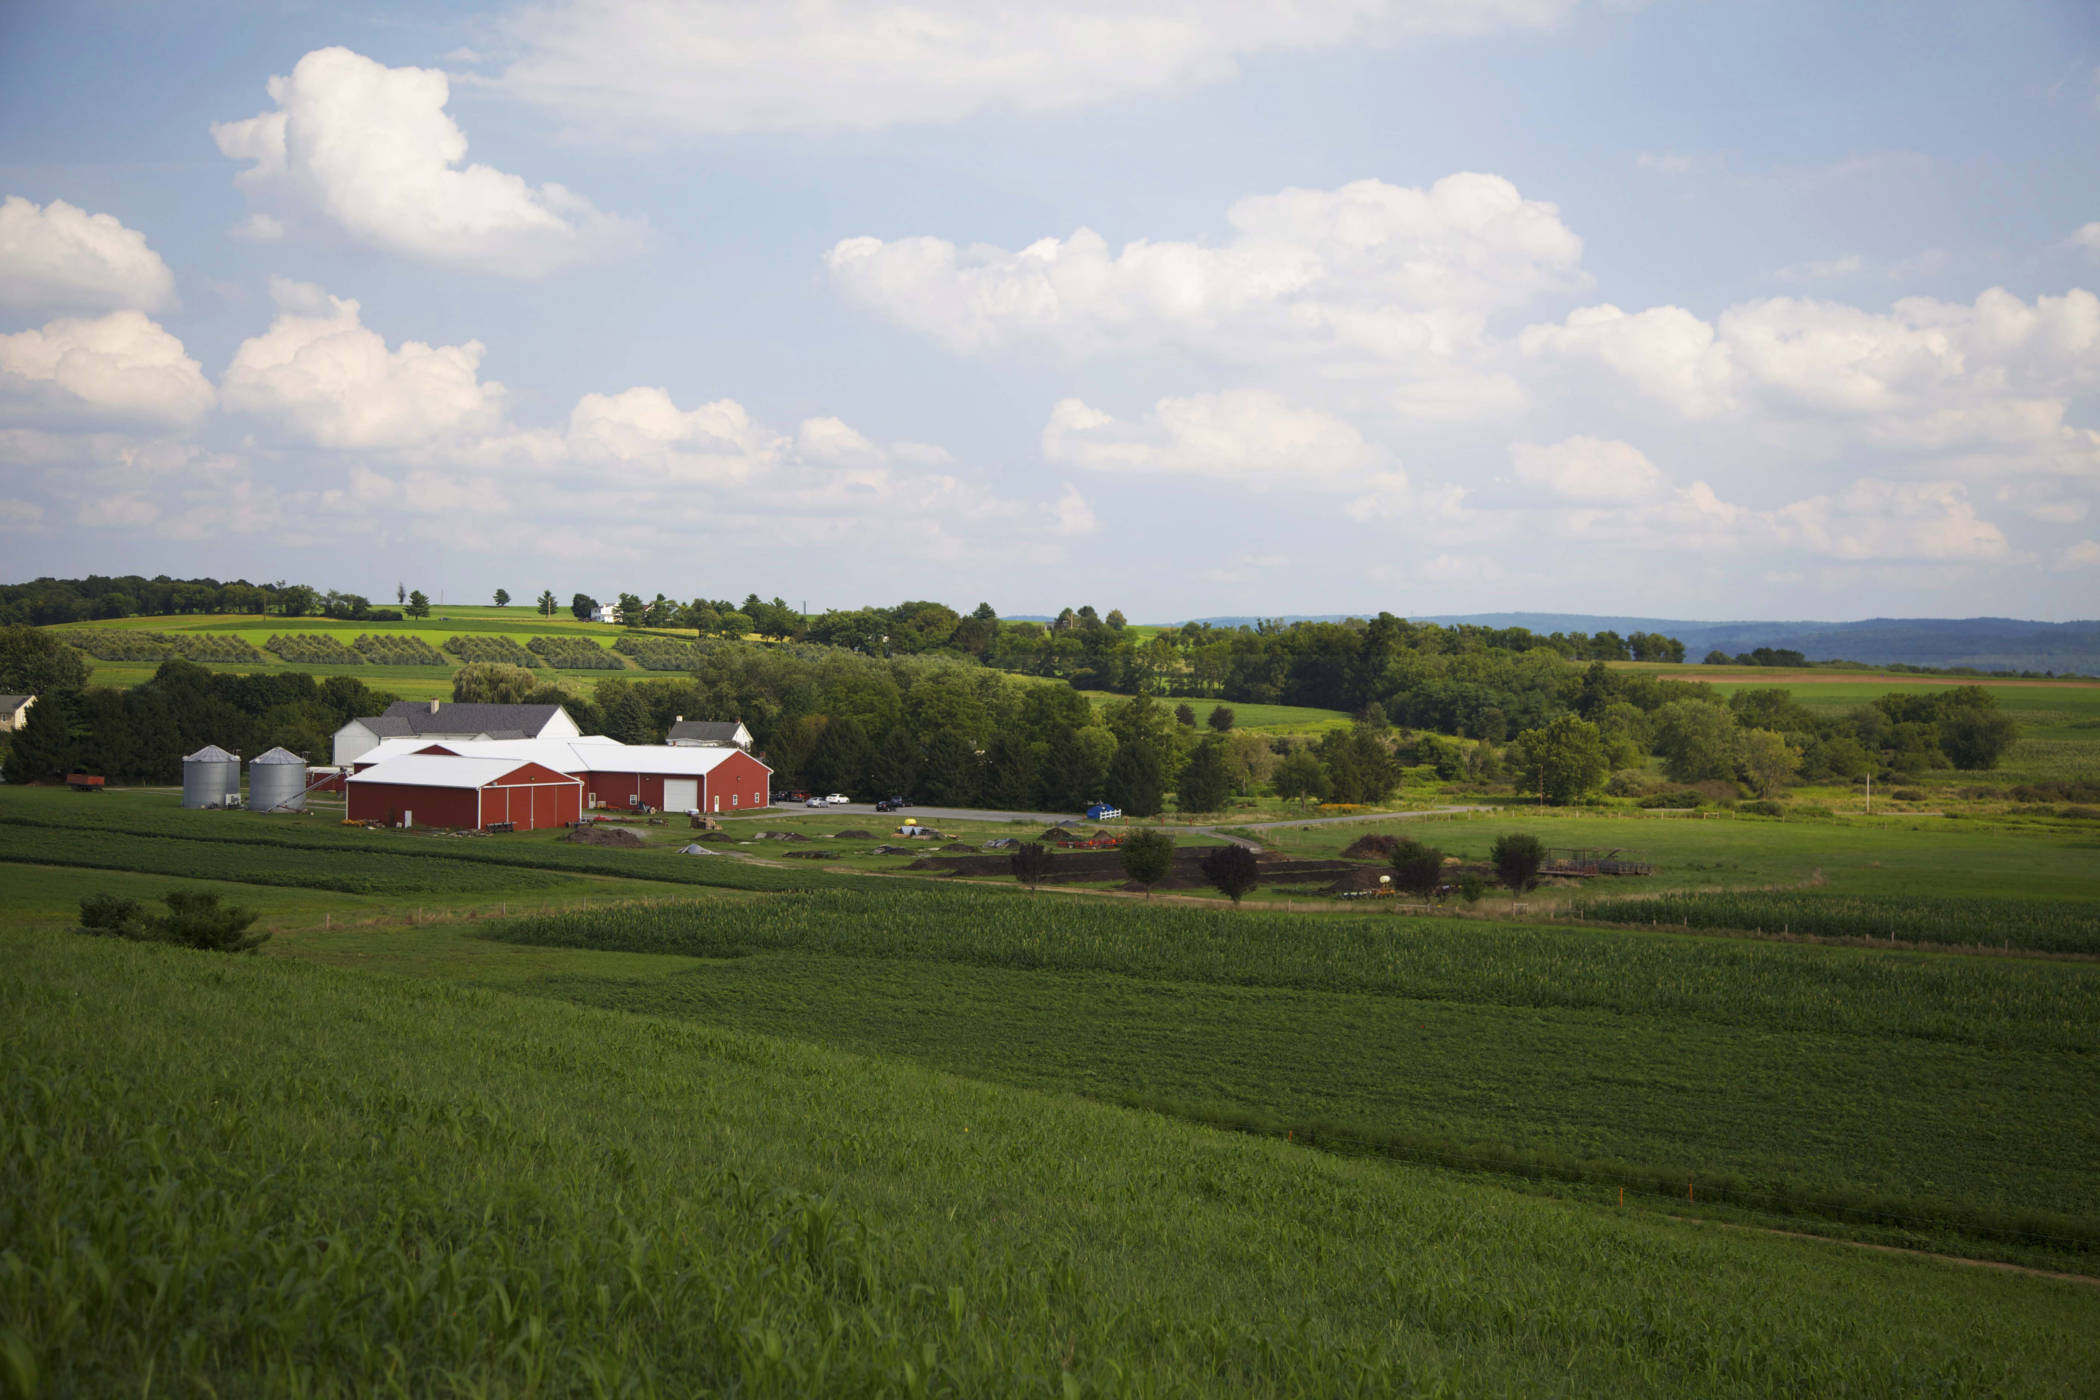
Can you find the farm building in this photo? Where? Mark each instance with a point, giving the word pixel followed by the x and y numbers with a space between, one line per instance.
pixel 467 793
pixel 709 734
pixel 436 719
pixel 14 711
pixel 614 774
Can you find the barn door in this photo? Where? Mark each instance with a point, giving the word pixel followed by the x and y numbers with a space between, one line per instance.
pixel 681 794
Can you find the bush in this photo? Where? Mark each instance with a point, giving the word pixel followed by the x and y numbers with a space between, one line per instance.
pixel 1677 800
pixel 1630 782
pixel 1908 795
pixel 1762 808
pixel 1517 857
pixel 1417 868
pixel 1147 857
pixel 194 919
pixel 1031 862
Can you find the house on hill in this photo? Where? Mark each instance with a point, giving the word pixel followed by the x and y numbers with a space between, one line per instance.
pixel 709 734
pixel 14 712
pixel 437 719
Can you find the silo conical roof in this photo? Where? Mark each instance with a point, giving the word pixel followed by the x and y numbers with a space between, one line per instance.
pixel 210 753
pixel 277 755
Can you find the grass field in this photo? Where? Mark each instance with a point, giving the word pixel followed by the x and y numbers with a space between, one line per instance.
pixel 538 1117
pixel 260 1175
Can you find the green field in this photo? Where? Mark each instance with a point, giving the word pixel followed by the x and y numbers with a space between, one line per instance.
pixel 543 1117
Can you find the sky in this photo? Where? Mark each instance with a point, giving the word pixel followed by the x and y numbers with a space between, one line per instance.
pixel 1681 309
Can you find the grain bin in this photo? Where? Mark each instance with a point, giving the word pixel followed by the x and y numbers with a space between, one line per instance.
pixel 277 782
pixel 211 777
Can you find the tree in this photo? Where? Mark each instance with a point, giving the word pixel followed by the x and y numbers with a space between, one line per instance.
pixel 1974 734
pixel 1147 857
pixel 34 662
pixel 627 717
pixel 418 604
pixel 1206 780
pixel 400 593
pixel 547 603
pixel 951 776
pixel 46 746
pixel 194 919
pixel 633 611
pixel 581 606
pixel 1765 760
pixel 1517 858
pixel 502 598
pixel 1233 870
pixel 1031 862
pixel 1563 760
pixel 1135 780
pixel 1299 776
pixel 1185 715
pixel 492 683
pixel 1697 741
pixel 1221 718
pixel 1417 868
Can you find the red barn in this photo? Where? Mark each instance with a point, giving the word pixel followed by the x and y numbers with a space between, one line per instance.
pixel 667 777
pixel 465 793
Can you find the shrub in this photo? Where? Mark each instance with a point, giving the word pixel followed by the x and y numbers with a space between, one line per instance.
pixel 1517 857
pixel 1678 800
pixel 1031 862
pixel 1762 807
pixel 195 919
pixel 1147 857
pixel 1908 795
pixel 1417 868
pixel 1232 870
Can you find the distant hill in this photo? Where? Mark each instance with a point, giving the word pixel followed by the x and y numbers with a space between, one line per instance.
pixel 1987 643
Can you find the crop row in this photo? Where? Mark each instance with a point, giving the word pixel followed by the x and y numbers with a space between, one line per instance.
pixel 576 654
pixel 1836 991
pixel 484 647
pixel 2047 926
pixel 349 872
pixel 398 649
pixel 121 645
pixel 313 649
pixel 237 831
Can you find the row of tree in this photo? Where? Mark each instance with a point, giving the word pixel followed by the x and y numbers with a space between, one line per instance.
pixel 45 602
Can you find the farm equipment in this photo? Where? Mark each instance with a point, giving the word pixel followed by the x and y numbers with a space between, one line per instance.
pixel 84 782
pixel 1580 863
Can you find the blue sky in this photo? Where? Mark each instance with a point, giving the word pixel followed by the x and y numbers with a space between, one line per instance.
pixel 1684 309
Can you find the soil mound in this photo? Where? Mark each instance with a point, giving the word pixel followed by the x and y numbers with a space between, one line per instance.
pixel 959 846
pixel 1056 833
pixel 1376 846
pixel 605 836
pixel 852 835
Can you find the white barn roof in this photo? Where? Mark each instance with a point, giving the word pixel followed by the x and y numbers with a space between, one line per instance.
pixel 440 771
pixel 593 753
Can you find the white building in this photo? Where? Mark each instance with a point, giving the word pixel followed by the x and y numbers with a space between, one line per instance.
pixel 437 719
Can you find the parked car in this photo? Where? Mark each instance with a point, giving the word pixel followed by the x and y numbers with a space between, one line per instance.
pixel 1102 812
pixel 838 799
pixel 885 805
pixel 813 802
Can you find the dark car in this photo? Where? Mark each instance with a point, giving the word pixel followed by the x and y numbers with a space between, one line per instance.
pixel 891 804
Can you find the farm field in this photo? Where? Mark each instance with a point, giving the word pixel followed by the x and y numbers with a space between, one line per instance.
pixel 540 1193
pixel 809 1045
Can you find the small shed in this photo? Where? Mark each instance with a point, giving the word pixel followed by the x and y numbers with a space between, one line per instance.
pixel 464 793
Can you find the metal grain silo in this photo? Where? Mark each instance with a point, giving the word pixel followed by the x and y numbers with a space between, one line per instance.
pixel 211 777
pixel 277 782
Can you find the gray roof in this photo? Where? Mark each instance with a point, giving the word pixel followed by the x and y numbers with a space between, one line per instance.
pixel 706 730
pixel 277 755
pixel 496 721
pixel 210 753
pixel 14 702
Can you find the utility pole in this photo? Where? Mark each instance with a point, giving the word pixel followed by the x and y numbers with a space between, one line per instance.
pixel 1870 794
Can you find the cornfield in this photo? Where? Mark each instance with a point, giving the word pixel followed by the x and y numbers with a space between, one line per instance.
pixel 2043 926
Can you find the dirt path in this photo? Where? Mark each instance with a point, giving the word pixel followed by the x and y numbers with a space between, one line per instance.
pixel 2087 1279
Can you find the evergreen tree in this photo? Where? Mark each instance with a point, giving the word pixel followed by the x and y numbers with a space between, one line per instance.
pixel 627 718
pixel 894 766
pixel 45 747
pixel 418 604
pixel 502 598
pixel 1031 862
pixel 951 777
pixel 1206 781
pixel 1517 858
pixel 1136 782
pixel 1417 868
pixel 1233 870
pixel 839 761
pixel 1009 771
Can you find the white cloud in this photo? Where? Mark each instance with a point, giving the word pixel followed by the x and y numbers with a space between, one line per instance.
pixel 1824 270
pixel 1926 374
pixel 1878 520
pixel 121 366
pixel 1367 273
pixel 1586 469
pixel 2083 555
pixel 371 150
pixel 2088 237
pixel 1245 435
pixel 1665 351
pixel 650 67
pixel 62 256
pixel 324 377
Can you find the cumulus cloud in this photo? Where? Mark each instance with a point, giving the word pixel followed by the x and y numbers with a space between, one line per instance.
pixel 2088 237
pixel 1586 469
pixel 1925 374
pixel 372 151
pixel 2083 555
pixel 324 377
pixel 121 366
pixel 63 256
pixel 1386 287
pixel 646 67
pixel 1247 435
pixel 20 517
pixel 1877 520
